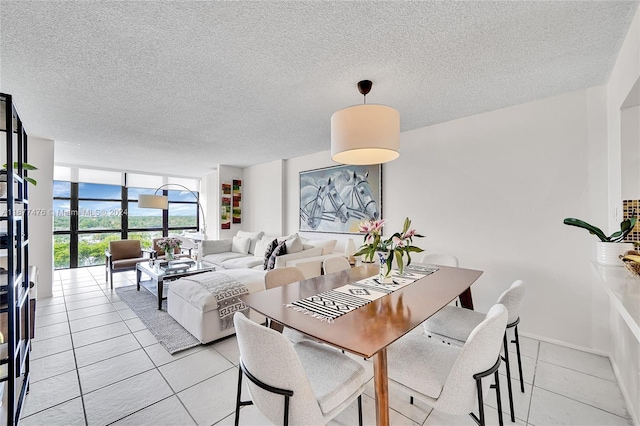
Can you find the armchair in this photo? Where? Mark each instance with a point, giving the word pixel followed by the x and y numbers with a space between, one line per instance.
pixel 123 255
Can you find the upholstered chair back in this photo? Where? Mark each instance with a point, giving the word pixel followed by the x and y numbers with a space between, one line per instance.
pixel 440 259
pixel 335 264
pixel 271 358
pixel 282 276
pixel 512 300
pixel 479 353
pixel 125 249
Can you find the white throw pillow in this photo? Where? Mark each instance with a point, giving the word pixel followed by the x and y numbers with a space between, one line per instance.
pixel 253 236
pixel 294 245
pixel 261 246
pixel 327 245
pixel 240 245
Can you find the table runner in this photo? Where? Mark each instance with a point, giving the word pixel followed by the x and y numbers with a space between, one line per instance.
pixel 331 304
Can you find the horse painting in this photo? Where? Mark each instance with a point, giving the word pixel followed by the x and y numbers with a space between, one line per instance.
pixel 338 198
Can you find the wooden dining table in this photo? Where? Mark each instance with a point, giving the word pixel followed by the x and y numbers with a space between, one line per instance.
pixel 370 329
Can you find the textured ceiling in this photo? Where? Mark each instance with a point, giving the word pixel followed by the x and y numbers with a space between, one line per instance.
pixel 180 87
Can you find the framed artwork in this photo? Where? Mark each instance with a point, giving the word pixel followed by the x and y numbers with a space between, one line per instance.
pixel 237 201
pixel 336 199
pixel 225 214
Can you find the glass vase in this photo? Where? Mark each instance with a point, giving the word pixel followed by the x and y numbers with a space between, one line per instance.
pixel 170 255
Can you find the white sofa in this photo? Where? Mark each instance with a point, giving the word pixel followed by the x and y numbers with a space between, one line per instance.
pixel 235 253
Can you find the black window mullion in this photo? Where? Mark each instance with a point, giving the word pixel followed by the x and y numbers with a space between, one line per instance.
pixel 73 226
pixel 124 205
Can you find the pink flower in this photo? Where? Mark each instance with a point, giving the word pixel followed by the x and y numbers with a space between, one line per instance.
pixel 399 242
pixel 410 233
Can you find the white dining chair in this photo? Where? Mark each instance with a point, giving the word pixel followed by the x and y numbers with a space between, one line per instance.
pixel 335 264
pixel 447 377
pixel 454 325
pixel 301 384
pixel 440 259
pixel 279 277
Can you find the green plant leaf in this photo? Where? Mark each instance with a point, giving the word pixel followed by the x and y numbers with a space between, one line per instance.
pixel 31 181
pixel 399 260
pixel 592 229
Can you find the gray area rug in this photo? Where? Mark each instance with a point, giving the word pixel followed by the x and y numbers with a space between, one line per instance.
pixel 169 333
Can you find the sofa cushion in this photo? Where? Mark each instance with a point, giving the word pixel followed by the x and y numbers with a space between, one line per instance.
pixel 220 258
pixel 242 262
pixel 240 245
pixel 253 236
pixel 216 246
pixel 282 260
pixel 281 249
pixel 327 245
pixel 267 254
pixel 294 245
pixel 261 246
pixel 127 263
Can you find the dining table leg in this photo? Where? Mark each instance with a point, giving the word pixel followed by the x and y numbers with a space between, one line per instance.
pixel 381 383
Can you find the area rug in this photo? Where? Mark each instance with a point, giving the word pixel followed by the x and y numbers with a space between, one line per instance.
pixel 169 333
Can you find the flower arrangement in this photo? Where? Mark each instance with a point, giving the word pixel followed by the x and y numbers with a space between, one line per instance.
pixel 397 245
pixel 169 244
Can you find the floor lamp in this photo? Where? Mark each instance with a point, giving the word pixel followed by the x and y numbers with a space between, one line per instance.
pixel 156 201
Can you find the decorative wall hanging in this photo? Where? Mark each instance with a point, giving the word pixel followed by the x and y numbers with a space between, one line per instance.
pixel 225 216
pixel 237 201
pixel 336 199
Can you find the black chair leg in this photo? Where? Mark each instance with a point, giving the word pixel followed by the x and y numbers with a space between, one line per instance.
pixel 506 363
pixel 498 398
pixel 480 402
pixel 411 400
pixel 360 410
pixel 237 421
pixel 517 342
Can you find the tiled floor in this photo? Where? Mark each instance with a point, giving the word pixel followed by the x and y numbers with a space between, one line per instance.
pixel 94 363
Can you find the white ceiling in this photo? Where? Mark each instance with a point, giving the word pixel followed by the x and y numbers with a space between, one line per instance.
pixel 180 87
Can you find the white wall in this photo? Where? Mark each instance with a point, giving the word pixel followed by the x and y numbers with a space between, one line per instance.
pixel 41 200
pixel 630 150
pixel 624 75
pixel 263 198
pixel 493 189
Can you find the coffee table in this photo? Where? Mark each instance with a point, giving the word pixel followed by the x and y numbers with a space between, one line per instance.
pixel 159 275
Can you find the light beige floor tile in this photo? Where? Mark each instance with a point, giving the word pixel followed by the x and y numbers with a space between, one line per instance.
pixel 168 412
pixel 112 370
pixel 548 408
pixel 80 290
pixel 120 305
pixel 48 310
pixel 145 337
pixel 160 356
pixel 90 311
pixel 106 349
pixel 594 391
pixel 51 331
pixel 438 418
pixel 228 348
pixel 126 314
pixel 69 413
pixel 114 402
pixel 50 392
pixel 182 373
pixel 97 334
pixel 594 365
pixel 135 324
pixel 86 303
pixel 94 321
pixel 42 348
pixel 52 365
pixel 52 319
pixel 83 296
pixel 212 400
pixel 528 347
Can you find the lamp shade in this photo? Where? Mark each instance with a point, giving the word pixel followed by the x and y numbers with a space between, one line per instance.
pixel 365 134
pixel 153 201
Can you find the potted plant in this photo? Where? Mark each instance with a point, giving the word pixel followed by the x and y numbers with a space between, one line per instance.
pixel 3 176
pixel 609 248
pixel 397 246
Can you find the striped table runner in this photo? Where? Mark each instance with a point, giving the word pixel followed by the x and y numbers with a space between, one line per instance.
pixel 331 304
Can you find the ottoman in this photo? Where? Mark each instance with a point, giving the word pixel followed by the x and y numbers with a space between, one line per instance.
pixel 196 309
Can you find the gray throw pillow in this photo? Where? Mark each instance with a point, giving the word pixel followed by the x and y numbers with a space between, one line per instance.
pixel 280 250
pixel 267 254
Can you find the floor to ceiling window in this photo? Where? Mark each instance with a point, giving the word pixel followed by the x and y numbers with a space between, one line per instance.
pixel 93 207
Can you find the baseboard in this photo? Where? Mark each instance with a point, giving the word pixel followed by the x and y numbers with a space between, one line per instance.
pixel 566 345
